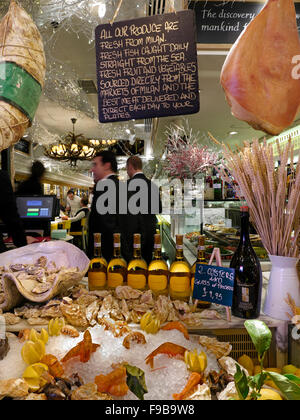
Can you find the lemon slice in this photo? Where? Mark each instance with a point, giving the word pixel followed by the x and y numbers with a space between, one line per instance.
pixel 35 336
pixel 32 352
pixel 33 376
pixel 55 326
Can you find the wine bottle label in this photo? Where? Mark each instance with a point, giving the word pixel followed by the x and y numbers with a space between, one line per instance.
pixel 217 186
pixel 157 282
pixel 97 279
pixel 117 244
pixel 180 284
pixel 201 248
pixel 157 246
pixel 245 297
pixel 136 281
pixel 137 246
pixel 114 280
pixel 97 245
pixel 179 246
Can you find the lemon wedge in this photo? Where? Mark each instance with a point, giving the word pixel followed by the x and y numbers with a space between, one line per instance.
pixel 32 352
pixel 35 336
pixel 33 375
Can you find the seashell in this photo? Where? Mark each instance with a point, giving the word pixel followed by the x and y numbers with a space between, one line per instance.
pixel 37 321
pixel 70 331
pixel 64 254
pixel 42 262
pixel 42 288
pixel 13 388
pixel 21 55
pixel 219 349
pixel 11 319
pixel 89 392
pixel 127 292
pixel 92 312
pixel 17 267
pixel 201 392
pixel 74 315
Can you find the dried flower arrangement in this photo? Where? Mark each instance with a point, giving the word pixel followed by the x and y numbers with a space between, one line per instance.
pixel 186 158
pixel 273 208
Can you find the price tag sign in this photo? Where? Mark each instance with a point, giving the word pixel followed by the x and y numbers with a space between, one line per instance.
pixel 214 284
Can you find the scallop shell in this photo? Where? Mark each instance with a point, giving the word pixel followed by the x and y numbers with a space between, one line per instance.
pixel 21 43
pixel 64 254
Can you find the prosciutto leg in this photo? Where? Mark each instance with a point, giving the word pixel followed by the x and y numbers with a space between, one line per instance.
pixel 257 75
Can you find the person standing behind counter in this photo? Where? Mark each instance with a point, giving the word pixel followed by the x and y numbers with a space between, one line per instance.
pixel 144 222
pixel 33 185
pixel 106 222
pixel 73 203
pixel 10 216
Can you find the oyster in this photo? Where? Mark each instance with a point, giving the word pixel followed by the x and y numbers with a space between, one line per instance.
pixel 162 307
pixel 33 260
pixel 11 319
pixel 229 366
pixel 74 315
pixel 127 292
pixel 218 348
pixel 201 392
pixel 13 388
pixel 89 392
pixel 92 312
pixel 42 288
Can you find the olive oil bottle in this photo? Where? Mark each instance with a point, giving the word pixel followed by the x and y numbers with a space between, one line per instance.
pixel 137 267
pixel 158 272
pixel 97 274
pixel 180 274
pixel 117 267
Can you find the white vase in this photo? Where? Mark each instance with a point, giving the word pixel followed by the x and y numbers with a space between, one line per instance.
pixel 283 280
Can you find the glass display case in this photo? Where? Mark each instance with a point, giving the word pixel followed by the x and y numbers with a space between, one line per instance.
pixel 218 220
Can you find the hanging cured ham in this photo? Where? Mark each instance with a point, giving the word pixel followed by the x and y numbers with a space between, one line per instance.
pixel 257 75
pixel 22 73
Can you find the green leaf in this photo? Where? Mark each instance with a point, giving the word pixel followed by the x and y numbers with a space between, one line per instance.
pixel 241 383
pixel 136 381
pixel 288 388
pixel 293 378
pixel 258 380
pixel 260 335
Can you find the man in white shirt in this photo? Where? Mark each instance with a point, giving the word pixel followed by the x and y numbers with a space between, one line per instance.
pixel 73 203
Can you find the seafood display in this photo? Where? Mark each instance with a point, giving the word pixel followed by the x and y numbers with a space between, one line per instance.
pixel 82 308
pixel 100 365
pixel 39 272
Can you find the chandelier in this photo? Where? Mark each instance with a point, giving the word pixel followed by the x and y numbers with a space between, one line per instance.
pixel 76 147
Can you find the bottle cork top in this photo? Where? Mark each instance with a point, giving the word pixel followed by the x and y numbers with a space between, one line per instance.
pixel 117 237
pixel 97 237
pixel 179 239
pixel 201 240
pixel 137 238
pixel 157 239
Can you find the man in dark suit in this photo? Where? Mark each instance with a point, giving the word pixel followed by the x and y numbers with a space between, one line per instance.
pixel 104 215
pixel 143 205
pixel 9 214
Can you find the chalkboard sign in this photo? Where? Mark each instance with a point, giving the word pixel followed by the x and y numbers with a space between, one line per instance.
pixel 221 22
pixel 214 284
pixel 23 146
pixel 147 67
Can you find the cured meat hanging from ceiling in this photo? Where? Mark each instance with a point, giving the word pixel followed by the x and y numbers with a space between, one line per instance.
pixel 22 73
pixel 257 75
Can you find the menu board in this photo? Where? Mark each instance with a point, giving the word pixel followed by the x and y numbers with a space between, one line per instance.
pixel 220 22
pixel 147 67
pixel 214 284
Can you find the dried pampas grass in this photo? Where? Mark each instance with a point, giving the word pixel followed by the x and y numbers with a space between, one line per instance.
pixel 274 211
